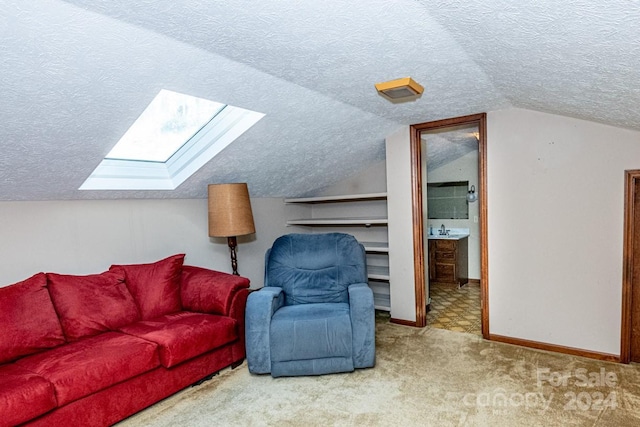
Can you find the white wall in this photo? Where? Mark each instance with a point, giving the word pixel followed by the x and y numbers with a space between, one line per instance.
pixel 400 215
pixel 555 202
pixel 85 237
pixel 463 169
pixel 370 180
pixel 555 227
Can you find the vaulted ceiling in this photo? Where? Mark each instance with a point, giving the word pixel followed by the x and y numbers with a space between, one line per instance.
pixel 75 74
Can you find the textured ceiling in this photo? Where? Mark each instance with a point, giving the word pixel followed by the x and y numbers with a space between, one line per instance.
pixel 445 145
pixel 75 74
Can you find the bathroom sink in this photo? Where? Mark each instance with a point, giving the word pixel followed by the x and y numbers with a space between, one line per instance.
pixel 450 236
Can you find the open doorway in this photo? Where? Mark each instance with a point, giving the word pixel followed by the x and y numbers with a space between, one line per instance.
pixel 441 258
pixel 452 231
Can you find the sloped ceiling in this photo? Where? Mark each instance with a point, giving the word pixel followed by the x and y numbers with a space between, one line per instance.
pixel 448 144
pixel 75 74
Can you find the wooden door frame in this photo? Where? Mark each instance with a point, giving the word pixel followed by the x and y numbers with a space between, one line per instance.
pixel 418 227
pixel 631 181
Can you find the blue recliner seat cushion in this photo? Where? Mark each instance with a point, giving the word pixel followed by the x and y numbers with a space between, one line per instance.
pixel 315 268
pixel 311 331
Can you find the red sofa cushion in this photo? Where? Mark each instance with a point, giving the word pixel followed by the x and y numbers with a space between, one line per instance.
pixel 182 336
pixel 209 291
pixel 23 395
pixel 88 305
pixel 91 364
pixel 156 286
pixel 28 321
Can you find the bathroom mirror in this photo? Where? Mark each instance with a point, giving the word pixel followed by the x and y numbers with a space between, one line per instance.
pixel 447 200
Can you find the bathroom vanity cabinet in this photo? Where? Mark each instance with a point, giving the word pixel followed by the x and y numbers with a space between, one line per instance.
pixel 449 260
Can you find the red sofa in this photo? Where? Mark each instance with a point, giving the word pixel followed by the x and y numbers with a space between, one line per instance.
pixel 92 350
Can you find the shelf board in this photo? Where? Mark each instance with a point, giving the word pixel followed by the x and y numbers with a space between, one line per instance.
pixel 381 302
pixel 339 221
pixel 377 272
pixel 341 198
pixel 376 247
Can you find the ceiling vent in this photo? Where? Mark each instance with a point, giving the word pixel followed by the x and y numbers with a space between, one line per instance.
pixel 405 89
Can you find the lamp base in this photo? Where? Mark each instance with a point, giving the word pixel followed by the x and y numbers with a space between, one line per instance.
pixel 233 242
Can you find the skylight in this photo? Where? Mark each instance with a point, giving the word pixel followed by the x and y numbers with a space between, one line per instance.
pixel 164 126
pixel 173 137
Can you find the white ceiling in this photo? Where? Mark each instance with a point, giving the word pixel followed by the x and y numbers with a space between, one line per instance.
pixel 75 74
pixel 444 145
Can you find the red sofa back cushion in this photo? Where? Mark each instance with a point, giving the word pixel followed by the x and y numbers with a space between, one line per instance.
pixel 156 286
pixel 207 291
pixel 28 321
pixel 89 305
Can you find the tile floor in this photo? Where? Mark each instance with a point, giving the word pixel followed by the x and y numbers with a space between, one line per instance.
pixel 455 309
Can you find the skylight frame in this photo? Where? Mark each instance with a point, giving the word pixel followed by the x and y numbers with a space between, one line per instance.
pixel 211 139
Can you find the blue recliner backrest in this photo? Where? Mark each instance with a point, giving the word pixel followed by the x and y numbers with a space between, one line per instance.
pixel 315 268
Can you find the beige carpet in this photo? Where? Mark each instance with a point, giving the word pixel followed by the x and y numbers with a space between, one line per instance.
pixel 423 377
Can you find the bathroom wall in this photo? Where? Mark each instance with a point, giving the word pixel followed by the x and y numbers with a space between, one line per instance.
pixel 462 169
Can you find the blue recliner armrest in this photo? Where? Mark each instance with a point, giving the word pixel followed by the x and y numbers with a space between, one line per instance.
pixel 260 308
pixel 363 324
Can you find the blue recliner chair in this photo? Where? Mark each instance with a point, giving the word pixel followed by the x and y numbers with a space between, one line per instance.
pixel 315 314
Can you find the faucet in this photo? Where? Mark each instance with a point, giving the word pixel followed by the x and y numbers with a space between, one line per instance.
pixel 443 230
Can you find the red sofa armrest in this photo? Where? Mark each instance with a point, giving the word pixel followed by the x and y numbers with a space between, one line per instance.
pixel 209 291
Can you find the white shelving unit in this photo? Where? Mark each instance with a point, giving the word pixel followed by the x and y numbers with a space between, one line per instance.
pixel 377 272
pixel 376 247
pixel 341 198
pixel 367 222
pixel 378 275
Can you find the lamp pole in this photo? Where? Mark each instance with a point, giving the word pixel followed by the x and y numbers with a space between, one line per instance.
pixel 233 243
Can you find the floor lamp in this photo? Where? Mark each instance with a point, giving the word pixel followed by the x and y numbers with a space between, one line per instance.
pixel 230 215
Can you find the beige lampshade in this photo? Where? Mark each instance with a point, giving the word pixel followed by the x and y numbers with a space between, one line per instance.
pixel 230 210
